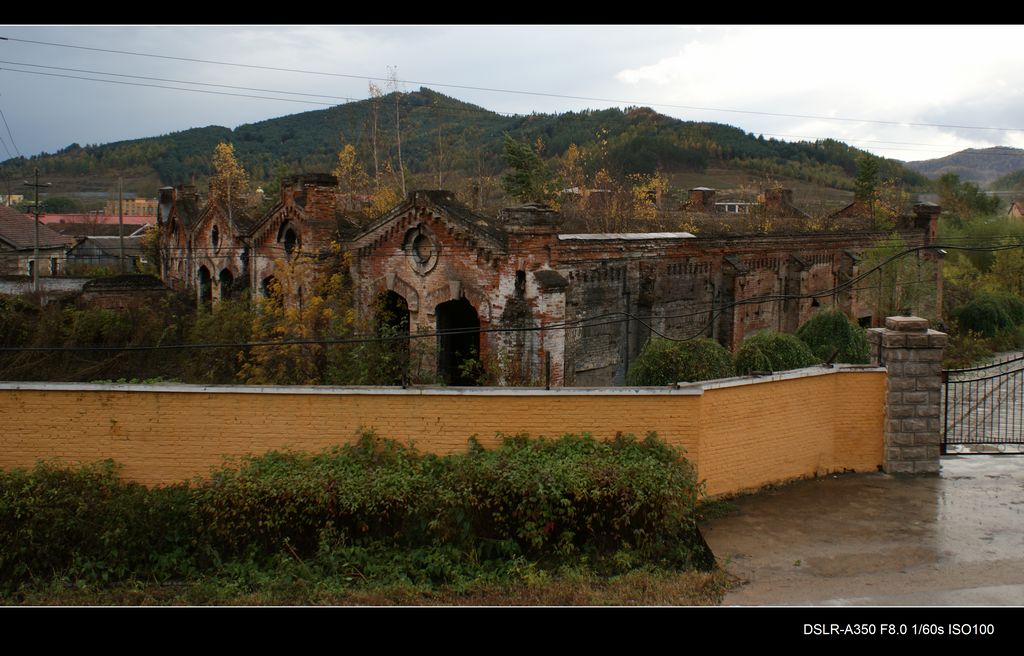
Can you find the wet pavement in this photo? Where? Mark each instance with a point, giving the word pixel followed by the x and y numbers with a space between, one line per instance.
pixel 875 539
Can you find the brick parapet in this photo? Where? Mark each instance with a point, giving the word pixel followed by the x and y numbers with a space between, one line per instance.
pixel 912 355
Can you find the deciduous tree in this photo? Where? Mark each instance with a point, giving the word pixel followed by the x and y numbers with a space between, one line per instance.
pixel 230 182
pixel 352 178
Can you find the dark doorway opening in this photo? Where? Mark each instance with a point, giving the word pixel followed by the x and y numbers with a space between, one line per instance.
pixel 205 287
pixel 268 286
pixel 392 323
pixel 458 344
pixel 226 281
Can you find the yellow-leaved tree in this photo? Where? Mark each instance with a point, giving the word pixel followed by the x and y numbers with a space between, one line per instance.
pixel 230 182
pixel 308 305
pixel 315 336
pixel 352 178
pixel 364 197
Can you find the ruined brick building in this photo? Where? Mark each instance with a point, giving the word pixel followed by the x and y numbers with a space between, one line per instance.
pixel 516 292
pixel 218 251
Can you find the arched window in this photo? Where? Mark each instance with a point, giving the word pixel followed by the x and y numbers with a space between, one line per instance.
pixel 288 236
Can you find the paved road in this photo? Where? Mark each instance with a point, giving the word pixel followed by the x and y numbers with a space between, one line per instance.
pixel 876 539
pixel 986 408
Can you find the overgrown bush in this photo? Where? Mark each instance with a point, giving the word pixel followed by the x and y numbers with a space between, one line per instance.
pixel 664 362
pixel 989 313
pixel 357 493
pixel 16 319
pixel 574 495
pixel 771 351
pixel 86 524
pixel 229 323
pixel 830 330
pixel 373 510
pixel 86 341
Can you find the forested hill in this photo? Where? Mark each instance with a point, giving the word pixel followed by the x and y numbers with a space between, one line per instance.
pixel 980 165
pixel 440 136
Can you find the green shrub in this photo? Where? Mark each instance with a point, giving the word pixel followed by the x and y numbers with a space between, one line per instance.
pixel 370 511
pixel 1012 304
pixel 990 313
pixel 830 330
pixel 16 318
pixel 574 495
pixel 664 362
pixel 86 524
pixel 229 323
pixel 374 489
pixel 771 351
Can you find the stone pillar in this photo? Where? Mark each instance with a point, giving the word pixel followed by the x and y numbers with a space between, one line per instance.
pixel 912 354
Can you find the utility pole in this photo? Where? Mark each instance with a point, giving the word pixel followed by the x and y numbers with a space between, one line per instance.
pixel 120 222
pixel 35 248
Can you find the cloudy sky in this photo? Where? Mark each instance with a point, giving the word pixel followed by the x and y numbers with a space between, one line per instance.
pixel 904 92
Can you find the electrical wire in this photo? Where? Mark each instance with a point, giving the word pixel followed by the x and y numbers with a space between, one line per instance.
pixel 591 322
pixel 519 92
pixel 9 135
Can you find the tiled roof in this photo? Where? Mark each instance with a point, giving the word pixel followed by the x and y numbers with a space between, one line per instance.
pixel 18 230
pixel 111 245
pixel 107 219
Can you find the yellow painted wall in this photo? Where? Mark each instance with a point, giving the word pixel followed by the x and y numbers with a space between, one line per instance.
pixel 758 434
pixel 740 436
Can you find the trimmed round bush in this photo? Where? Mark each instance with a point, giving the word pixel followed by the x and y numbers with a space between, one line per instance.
pixel 990 313
pixel 770 350
pixel 664 362
pixel 828 330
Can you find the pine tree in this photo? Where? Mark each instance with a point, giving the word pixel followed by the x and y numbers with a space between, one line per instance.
pixel 866 183
pixel 530 179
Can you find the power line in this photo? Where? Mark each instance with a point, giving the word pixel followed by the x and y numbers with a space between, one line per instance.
pixel 11 136
pixel 715 310
pixel 158 86
pixel 162 79
pixel 519 92
pixel 435 108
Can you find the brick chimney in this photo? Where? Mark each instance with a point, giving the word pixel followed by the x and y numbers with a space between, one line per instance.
pixel 701 199
pixel 167 198
pixel 316 193
pixel 778 202
pixel 926 215
pixel 531 227
pixel 187 192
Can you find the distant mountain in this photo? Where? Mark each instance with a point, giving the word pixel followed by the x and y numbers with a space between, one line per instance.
pixel 981 166
pixel 1009 182
pixel 443 138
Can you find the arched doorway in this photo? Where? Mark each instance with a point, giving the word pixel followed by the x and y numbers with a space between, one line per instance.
pixel 205 287
pixel 392 322
pixel 458 342
pixel 268 286
pixel 226 280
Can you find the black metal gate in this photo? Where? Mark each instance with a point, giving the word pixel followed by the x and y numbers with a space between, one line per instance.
pixel 984 408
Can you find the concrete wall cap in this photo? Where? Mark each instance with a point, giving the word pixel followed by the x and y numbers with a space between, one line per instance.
pixel 907 324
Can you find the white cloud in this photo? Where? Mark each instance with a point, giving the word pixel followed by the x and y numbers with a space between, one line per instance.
pixel 958 75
